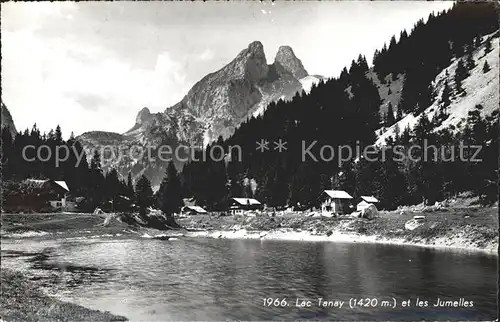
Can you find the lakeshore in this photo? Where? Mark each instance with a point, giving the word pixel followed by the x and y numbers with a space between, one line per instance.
pixel 21 300
pixel 444 242
pixel 467 229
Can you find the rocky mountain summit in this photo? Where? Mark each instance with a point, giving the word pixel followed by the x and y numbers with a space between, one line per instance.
pixel 286 58
pixel 216 105
pixel 220 101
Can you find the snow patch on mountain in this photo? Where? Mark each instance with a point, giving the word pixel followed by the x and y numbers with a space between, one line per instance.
pixel 309 81
pixel 306 83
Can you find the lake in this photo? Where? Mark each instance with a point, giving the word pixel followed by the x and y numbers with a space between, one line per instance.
pixel 220 279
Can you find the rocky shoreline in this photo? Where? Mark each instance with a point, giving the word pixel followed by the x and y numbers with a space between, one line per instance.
pixel 21 300
pixel 444 242
pixel 468 228
pixel 471 229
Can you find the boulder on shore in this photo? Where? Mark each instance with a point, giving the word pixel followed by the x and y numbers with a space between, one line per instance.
pixel 413 224
pixel 369 212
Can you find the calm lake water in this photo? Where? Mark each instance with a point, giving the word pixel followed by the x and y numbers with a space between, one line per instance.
pixel 209 279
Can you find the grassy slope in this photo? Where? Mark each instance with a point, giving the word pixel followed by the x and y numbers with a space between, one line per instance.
pixel 70 224
pixel 78 224
pixel 481 88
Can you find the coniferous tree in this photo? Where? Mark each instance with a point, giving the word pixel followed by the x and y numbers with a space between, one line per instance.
pixel 390 183
pixel 69 167
pixel 170 193
pixel 445 97
pixel 50 136
pixel 58 135
pixel 112 187
pixel 218 181
pixel 376 56
pixel 390 115
pixel 461 73
pixel 96 180
pixel 399 113
pixel 82 180
pixel 477 41
pixel 365 173
pixel 143 195
pixel 280 187
pixel 475 132
pixel 424 171
pixel 345 179
pixel 235 188
pixel 486 67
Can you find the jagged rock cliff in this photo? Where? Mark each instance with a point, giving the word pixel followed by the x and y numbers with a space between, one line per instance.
pixel 220 101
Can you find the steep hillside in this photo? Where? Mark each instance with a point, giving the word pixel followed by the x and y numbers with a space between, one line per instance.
pixel 480 89
pixel 7 120
pixel 407 76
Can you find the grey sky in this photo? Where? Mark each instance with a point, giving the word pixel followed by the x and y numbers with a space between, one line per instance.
pixel 93 66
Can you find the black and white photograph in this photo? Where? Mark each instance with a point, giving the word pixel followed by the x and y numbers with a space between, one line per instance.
pixel 249 160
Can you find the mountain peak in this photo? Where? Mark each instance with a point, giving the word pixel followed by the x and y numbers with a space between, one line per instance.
pixel 285 50
pixel 256 47
pixel 251 62
pixel 286 58
pixel 215 106
pixel 143 116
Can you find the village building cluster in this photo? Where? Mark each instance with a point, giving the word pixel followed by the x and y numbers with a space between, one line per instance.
pixel 52 195
pixel 330 203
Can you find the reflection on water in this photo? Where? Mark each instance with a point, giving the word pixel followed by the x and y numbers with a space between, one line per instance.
pixel 207 279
